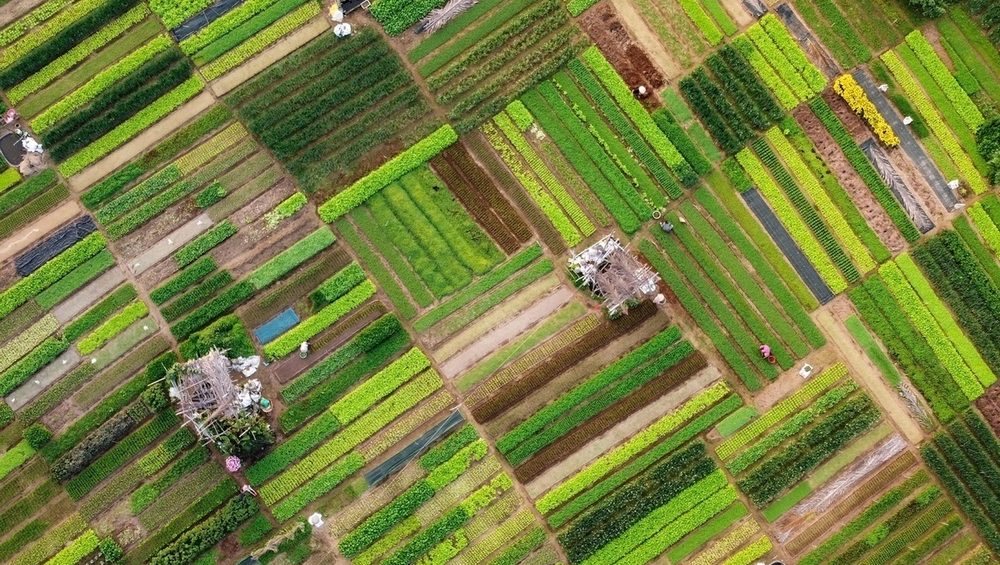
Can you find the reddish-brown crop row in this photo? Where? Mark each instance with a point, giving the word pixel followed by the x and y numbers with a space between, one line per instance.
pixel 546 232
pixel 561 361
pixel 989 405
pixel 610 416
pixel 480 196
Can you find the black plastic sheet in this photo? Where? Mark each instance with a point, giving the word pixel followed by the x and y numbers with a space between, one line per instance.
pixel 64 238
pixel 415 449
pixel 194 24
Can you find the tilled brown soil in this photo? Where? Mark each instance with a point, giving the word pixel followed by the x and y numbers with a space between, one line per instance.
pixel 835 159
pixel 606 30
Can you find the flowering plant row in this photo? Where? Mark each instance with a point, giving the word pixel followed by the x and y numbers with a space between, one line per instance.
pixel 857 99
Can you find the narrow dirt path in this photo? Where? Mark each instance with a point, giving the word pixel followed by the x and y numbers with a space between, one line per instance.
pixel 647 39
pixel 869 377
pixel 38 229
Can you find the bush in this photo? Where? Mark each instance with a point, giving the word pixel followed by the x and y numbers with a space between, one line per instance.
pixel 410 159
pixel 396 16
pixel 211 195
pixel 155 396
pixel 77 458
pixel 37 435
pixel 226 333
pixel 62 42
pixel 255 531
pixel 183 280
pixel 110 550
pixel 174 12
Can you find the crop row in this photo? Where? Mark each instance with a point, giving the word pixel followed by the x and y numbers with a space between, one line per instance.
pixel 361 429
pixel 887 319
pixel 766 72
pixel 796 56
pixel 634 446
pixel 112 327
pixel 811 210
pixel 790 428
pixel 608 519
pixel 966 288
pixel 288 341
pixel 105 465
pixel 223 25
pixel 956 460
pixel 545 202
pixel 855 96
pixel 206 534
pixel 549 185
pixel 27 287
pixel 204 243
pixel 929 326
pixel 75 279
pixel 775 312
pixel 197 296
pixel 245 31
pixel 555 364
pixel 571 400
pixel 33 18
pixel 931 61
pixel 580 435
pixel 266 37
pixel 724 299
pixel 865 170
pixel 49 41
pixel 731 67
pixel 694 305
pixel 940 129
pixel 406 504
pixel 784 408
pixel 112 205
pixel 791 220
pixel 915 511
pixel 618 180
pixel 78 53
pixel 669 523
pixel 635 111
pixel 133 126
pixel 411 158
pixel 135 473
pixel 635 141
pixel 664 446
pixel 769 479
pixel 339 414
pixel 725 545
pixel 696 12
pixel 183 280
pixel 778 59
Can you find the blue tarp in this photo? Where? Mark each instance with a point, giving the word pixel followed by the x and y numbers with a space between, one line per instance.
pixel 276 326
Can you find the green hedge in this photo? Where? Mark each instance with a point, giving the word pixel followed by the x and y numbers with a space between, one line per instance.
pixel 227 333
